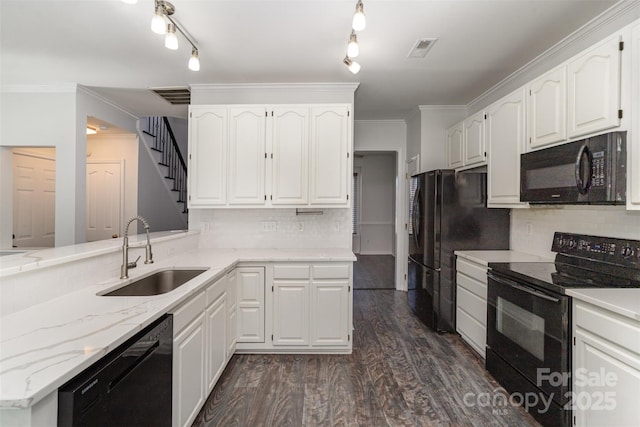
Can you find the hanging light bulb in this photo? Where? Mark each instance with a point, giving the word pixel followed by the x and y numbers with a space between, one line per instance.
pixel 194 61
pixel 352 47
pixel 171 40
pixel 158 25
pixel 353 66
pixel 359 21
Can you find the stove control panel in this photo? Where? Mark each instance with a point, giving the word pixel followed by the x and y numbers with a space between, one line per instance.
pixel 615 251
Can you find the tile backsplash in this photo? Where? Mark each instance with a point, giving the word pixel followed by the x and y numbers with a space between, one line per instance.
pixel 532 229
pixel 271 228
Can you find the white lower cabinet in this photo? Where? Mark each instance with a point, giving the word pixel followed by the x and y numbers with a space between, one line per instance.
pixel 189 354
pixel 250 311
pixel 471 304
pixel 330 312
pixel 216 332
pixel 606 367
pixel 290 313
pixel 232 318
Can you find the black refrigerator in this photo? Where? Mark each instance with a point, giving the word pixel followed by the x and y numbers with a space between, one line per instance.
pixel 448 212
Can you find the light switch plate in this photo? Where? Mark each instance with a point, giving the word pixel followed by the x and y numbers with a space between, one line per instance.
pixel 269 226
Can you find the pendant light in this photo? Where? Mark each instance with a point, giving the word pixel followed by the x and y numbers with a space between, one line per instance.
pixel 359 20
pixel 158 25
pixel 171 40
pixel 194 61
pixel 353 66
pixel 352 47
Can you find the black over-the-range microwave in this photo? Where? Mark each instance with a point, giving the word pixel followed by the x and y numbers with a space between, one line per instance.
pixel 589 171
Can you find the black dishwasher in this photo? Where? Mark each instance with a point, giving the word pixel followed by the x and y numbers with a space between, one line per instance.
pixel 130 386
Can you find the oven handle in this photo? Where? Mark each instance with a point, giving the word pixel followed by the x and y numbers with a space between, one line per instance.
pixel 522 288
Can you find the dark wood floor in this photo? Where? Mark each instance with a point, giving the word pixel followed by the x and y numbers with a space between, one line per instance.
pixel 374 272
pixel 400 374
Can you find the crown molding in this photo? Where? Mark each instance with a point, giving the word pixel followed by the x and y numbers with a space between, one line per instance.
pixel 441 107
pixel 315 87
pixel 622 9
pixel 49 88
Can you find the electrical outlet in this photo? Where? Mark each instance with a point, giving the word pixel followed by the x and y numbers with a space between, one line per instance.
pixel 336 226
pixel 269 226
pixel 300 226
pixel 529 229
pixel 205 227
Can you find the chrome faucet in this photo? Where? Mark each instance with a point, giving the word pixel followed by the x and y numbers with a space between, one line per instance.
pixel 126 265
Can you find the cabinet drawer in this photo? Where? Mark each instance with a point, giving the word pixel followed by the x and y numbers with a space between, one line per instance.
pixel 475 306
pixel 215 290
pixel 472 285
pixel 331 271
pixel 188 311
pixel 471 331
pixel 613 327
pixel 478 272
pixel 291 271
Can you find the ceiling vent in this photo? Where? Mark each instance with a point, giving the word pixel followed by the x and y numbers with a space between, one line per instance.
pixel 420 49
pixel 174 95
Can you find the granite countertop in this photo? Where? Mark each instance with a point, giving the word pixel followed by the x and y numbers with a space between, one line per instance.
pixel 46 345
pixel 485 257
pixel 624 301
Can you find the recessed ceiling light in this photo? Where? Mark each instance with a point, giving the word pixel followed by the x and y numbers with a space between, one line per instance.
pixel 421 47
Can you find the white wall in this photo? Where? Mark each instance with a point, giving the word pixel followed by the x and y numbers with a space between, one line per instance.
pixel 414 135
pixel 532 229
pixel 377 210
pixel 117 148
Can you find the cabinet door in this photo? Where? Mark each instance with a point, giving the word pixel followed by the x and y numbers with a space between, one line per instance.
pixel 291 312
pixel 474 151
pixel 189 372
pixel 505 135
pixel 290 172
pixel 247 156
pixel 455 150
pixel 216 342
pixel 250 307
pixel 609 404
pixel 232 319
pixel 208 138
pixel 547 108
pixel 330 313
pixel 330 155
pixel 633 143
pixel 594 88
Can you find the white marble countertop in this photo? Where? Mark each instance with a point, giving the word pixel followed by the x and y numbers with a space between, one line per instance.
pixel 624 301
pixel 485 257
pixel 46 345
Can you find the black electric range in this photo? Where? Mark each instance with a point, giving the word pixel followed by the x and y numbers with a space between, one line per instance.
pixel 529 315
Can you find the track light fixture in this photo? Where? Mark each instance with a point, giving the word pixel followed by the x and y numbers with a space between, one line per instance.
pixel 359 21
pixel 162 12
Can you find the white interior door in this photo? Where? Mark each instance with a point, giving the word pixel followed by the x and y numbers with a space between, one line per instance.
pixel 104 200
pixel 34 204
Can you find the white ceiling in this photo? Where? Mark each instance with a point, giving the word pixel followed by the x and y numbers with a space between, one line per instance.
pixel 108 46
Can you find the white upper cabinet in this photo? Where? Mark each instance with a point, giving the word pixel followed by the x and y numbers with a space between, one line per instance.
pixel 455 151
pixel 330 155
pixel 278 156
pixel 633 142
pixel 505 136
pixel 247 156
pixel 594 88
pixel 208 145
pixel 474 146
pixel 547 108
pixel 290 151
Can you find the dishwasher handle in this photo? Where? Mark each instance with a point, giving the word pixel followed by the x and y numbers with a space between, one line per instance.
pixel 131 367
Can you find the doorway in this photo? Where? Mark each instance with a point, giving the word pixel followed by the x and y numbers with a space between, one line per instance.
pixel 374 216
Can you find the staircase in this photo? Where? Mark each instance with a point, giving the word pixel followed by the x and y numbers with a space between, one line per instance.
pixel 161 140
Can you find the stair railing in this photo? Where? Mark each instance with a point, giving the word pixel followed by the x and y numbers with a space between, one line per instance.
pixel 165 143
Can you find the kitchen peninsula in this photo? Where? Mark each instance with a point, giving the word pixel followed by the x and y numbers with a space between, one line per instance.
pixel 54 325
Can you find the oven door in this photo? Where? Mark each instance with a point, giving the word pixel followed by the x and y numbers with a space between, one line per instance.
pixel 529 330
pixel 560 174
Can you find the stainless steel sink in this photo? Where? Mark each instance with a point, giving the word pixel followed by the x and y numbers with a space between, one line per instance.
pixel 157 283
